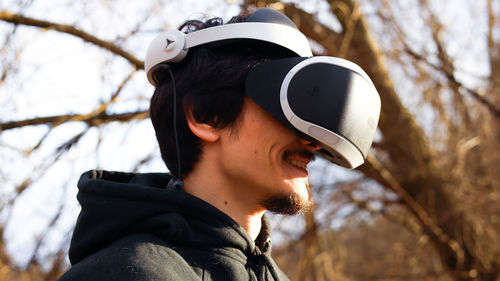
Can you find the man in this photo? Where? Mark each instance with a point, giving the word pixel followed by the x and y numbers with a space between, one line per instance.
pixel 230 159
pixel 237 162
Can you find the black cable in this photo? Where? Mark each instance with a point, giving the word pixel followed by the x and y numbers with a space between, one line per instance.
pixel 175 125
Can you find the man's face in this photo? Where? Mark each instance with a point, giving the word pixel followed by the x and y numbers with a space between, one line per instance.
pixel 267 161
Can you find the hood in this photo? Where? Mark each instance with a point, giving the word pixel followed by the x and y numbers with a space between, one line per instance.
pixel 116 204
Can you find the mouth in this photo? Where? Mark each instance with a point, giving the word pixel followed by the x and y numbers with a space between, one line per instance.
pixel 298 158
pixel 297 163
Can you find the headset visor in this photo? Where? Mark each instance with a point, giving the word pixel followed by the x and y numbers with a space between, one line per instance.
pixel 327 100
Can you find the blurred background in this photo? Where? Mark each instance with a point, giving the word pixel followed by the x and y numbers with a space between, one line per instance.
pixel 425 205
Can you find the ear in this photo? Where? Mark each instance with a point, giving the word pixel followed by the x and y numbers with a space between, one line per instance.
pixel 204 131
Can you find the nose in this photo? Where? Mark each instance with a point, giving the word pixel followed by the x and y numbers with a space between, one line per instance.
pixel 309 145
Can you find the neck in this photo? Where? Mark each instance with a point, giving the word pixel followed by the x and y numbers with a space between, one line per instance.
pixel 230 198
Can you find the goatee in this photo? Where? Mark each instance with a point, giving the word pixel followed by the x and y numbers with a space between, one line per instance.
pixel 292 204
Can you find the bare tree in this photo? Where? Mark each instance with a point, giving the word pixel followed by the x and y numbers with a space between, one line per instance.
pixel 425 204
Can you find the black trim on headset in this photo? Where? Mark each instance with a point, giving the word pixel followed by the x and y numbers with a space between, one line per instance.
pixel 269 15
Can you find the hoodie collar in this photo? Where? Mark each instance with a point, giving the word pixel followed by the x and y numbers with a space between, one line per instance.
pixel 117 204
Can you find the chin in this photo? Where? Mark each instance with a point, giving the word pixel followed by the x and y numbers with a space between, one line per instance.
pixel 293 202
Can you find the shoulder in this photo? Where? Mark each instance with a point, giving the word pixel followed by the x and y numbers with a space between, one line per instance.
pixel 136 257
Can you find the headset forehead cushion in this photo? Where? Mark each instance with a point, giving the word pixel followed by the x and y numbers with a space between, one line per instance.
pixel 265 25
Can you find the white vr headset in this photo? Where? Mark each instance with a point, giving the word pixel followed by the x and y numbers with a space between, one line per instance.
pixel 328 100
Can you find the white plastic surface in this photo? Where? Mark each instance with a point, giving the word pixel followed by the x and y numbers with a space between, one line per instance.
pixel 160 50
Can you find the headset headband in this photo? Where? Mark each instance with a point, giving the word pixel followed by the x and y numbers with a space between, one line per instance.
pixel 173 46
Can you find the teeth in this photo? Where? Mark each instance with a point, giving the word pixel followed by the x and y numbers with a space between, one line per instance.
pixel 299 164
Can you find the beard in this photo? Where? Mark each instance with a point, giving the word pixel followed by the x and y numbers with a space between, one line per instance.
pixel 291 204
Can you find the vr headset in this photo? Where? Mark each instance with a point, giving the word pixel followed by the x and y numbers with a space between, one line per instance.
pixel 329 101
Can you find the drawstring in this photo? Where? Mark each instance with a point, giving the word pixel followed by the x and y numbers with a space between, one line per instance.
pixel 259 262
pixel 259 259
pixel 270 267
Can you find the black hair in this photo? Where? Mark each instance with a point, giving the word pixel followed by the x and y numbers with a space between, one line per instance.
pixel 210 84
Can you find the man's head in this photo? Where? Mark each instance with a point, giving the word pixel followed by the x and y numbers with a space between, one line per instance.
pixel 210 87
pixel 328 100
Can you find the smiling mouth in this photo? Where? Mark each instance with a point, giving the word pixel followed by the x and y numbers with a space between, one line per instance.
pixel 298 158
pixel 297 163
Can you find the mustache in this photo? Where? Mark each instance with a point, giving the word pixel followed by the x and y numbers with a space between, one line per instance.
pixel 303 153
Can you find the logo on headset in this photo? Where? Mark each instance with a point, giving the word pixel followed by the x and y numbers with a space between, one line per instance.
pixel 314 92
pixel 169 43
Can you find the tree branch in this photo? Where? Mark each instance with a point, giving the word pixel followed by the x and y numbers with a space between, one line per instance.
pixel 69 29
pixel 326 37
pixel 493 50
pixel 92 120
pixel 377 171
pixel 449 75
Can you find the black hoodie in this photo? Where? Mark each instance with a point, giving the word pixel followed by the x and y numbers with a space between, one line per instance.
pixel 132 227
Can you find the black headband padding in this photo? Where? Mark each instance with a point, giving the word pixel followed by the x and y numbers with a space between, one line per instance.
pixel 271 16
pixel 263 84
